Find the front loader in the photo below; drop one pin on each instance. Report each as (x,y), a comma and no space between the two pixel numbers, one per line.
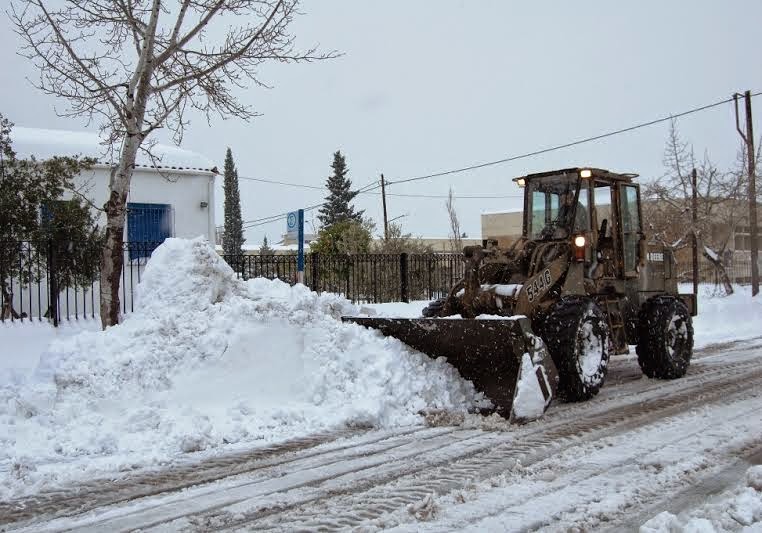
(540,318)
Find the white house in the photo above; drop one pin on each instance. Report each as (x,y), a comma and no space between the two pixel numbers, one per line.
(172,189)
(171,195)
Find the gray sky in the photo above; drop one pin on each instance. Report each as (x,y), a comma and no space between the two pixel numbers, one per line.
(431,85)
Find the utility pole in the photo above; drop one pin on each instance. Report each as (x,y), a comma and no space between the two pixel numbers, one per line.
(748,138)
(383,201)
(694,217)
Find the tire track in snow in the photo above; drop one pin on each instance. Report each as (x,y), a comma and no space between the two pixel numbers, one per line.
(351,502)
(578,478)
(693,492)
(159,511)
(101,492)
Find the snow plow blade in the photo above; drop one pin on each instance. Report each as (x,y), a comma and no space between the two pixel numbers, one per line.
(502,357)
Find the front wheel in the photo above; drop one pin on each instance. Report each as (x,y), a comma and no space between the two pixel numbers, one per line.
(665,338)
(578,338)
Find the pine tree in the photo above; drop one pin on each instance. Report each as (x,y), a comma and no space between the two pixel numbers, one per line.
(233,237)
(265,248)
(337,206)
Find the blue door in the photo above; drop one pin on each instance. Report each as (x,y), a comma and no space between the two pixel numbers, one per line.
(147,227)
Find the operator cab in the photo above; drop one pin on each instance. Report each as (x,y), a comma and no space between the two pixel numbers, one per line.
(576,204)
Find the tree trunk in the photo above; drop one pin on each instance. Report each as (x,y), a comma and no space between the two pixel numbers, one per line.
(720,270)
(112,258)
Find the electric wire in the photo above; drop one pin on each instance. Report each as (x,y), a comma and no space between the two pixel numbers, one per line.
(371,186)
(374,193)
(565,145)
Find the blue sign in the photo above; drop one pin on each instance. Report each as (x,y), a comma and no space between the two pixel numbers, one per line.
(292,223)
(295,228)
(300,249)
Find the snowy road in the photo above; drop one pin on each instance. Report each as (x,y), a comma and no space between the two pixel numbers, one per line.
(639,448)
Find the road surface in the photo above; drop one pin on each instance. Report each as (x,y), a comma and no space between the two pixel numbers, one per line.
(640,447)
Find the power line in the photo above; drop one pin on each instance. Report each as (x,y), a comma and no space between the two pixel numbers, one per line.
(276,182)
(458,197)
(565,145)
(372,190)
(368,188)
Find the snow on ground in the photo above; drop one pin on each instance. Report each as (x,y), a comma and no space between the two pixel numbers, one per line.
(208,362)
(23,343)
(725,318)
(738,507)
(205,361)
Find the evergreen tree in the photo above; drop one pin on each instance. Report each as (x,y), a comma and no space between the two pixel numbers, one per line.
(337,206)
(233,237)
(265,248)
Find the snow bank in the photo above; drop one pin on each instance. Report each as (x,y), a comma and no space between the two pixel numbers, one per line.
(726,318)
(208,360)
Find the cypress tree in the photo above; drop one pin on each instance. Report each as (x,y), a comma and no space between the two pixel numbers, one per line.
(233,238)
(337,206)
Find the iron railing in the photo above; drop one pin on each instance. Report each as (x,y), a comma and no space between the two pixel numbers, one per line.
(362,278)
(45,280)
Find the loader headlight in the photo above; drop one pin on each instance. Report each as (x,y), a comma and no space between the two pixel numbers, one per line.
(579,241)
(521,182)
(586,173)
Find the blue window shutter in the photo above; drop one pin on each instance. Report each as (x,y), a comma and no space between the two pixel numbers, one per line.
(147,227)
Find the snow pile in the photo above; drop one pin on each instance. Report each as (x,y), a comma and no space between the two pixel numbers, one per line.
(208,360)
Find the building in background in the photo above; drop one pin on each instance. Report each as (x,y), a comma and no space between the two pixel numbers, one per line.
(172,189)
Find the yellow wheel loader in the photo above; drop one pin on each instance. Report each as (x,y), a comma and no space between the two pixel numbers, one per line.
(540,318)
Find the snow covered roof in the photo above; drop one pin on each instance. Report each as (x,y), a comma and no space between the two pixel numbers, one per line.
(45,143)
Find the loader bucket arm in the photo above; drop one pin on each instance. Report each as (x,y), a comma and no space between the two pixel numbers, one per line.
(490,353)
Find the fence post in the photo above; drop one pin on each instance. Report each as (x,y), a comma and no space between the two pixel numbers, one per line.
(403,278)
(52,283)
(315,270)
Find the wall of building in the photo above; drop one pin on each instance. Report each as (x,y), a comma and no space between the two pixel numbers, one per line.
(185,191)
(505,227)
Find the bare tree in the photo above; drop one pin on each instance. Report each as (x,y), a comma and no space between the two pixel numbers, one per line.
(135,66)
(455,236)
(669,200)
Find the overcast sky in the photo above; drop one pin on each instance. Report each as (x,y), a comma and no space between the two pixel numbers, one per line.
(425,86)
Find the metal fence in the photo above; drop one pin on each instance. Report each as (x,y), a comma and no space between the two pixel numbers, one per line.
(739,271)
(362,278)
(45,280)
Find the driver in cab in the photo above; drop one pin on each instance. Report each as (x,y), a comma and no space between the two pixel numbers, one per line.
(559,227)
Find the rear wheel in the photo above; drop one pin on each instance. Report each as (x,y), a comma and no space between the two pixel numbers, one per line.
(578,338)
(665,338)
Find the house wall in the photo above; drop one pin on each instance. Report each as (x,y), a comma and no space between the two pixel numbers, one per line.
(184,191)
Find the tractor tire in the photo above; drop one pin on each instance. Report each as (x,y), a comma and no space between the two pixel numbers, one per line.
(665,338)
(579,341)
(433,308)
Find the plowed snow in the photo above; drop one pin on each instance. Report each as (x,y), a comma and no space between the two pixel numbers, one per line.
(207,360)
